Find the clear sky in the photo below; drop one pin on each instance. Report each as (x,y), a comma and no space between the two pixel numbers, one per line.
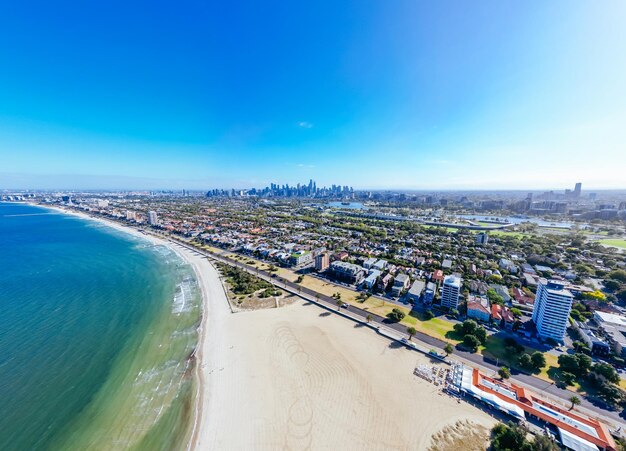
(375,94)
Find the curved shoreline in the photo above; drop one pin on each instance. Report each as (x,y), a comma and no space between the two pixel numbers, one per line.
(330,393)
(202,275)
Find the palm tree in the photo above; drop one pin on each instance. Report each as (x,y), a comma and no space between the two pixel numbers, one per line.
(411,331)
(575,400)
(368,318)
(448,349)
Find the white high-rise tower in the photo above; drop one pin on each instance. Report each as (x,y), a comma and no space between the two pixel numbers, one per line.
(552,308)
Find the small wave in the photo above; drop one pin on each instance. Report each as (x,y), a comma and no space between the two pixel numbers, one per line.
(183,299)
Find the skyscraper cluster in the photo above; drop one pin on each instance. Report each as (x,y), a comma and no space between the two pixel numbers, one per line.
(300,190)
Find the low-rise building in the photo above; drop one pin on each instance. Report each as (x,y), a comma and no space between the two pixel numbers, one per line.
(371,279)
(340,256)
(437,276)
(614,329)
(415,292)
(400,284)
(347,272)
(301,258)
(503,316)
(478,308)
(429,293)
(595,343)
(502,291)
(521,299)
(380,265)
(507,265)
(383,282)
(367,264)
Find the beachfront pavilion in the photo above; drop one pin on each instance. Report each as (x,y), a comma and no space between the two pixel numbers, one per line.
(577,432)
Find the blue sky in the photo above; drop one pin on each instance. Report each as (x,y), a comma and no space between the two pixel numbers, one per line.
(375,94)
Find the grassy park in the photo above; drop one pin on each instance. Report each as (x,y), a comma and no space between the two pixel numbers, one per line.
(614,243)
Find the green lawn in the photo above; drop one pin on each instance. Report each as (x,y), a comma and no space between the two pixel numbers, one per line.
(435,327)
(508,233)
(614,243)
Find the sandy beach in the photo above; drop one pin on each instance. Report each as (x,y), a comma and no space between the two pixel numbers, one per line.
(299,377)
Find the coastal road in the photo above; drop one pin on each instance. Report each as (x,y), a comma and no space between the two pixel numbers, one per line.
(538,385)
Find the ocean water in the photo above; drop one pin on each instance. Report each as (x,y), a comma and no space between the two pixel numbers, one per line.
(97,330)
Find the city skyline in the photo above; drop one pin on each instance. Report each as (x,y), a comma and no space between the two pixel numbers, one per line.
(402,96)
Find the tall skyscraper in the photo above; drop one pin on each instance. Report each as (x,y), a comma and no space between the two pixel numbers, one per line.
(577,189)
(451,291)
(152,218)
(553,304)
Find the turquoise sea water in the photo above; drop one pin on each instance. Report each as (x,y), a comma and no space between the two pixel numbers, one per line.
(96,333)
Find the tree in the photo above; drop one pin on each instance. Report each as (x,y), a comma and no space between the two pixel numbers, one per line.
(396,315)
(504,372)
(448,349)
(596,295)
(612,285)
(368,318)
(481,334)
(577,364)
(471,342)
(575,400)
(509,437)
(607,371)
(428,314)
(567,378)
(538,360)
(611,394)
(517,313)
(580,346)
(618,274)
(411,331)
(454,312)
(525,361)
(494,297)
(544,443)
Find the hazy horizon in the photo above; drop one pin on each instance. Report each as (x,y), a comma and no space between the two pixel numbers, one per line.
(114,184)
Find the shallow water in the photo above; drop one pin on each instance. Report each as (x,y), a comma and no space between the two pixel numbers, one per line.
(96,333)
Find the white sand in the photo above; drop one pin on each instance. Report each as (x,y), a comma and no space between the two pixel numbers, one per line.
(290,378)
(299,378)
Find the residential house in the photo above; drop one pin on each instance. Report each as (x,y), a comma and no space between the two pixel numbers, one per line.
(400,284)
(367,264)
(502,315)
(478,308)
(429,293)
(371,279)
(415,292)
